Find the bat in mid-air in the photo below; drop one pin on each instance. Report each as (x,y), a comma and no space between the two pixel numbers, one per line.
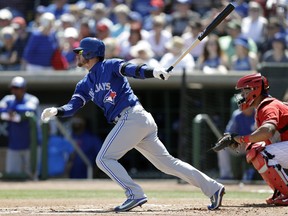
(216,21)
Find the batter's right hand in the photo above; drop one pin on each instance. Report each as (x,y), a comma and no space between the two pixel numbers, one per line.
(161,73)
(48,113)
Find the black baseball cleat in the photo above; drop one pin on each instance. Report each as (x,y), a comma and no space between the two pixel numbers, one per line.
(216,199)
(130,204)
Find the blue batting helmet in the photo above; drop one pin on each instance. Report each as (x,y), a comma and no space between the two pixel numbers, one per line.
(91,47)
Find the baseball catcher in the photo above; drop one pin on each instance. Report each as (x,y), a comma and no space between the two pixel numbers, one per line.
(267,146)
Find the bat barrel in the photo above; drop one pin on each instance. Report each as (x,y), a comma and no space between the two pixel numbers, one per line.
(221,16)
(227,10)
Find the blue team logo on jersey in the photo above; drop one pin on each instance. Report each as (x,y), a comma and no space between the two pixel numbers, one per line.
(110,97)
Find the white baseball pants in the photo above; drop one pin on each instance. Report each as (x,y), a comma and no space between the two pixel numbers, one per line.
(137,129)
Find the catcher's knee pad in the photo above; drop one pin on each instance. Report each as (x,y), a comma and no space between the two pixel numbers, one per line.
(274,175)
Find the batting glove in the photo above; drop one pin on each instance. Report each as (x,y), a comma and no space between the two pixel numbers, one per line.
(48,113)
(161,73)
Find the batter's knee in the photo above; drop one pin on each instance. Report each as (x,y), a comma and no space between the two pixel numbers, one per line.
(99,161)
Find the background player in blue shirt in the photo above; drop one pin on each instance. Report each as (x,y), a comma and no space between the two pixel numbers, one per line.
(12,109)
(107,86)
(242,123)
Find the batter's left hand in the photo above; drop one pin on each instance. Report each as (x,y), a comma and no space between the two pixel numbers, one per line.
(48,113)
(161,73)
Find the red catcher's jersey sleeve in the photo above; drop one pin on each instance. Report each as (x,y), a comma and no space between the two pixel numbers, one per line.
(275,112)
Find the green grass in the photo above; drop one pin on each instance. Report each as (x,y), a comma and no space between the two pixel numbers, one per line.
(85,194)
(57,194)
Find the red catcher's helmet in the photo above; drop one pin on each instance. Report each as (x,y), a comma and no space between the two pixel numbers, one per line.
(251,86)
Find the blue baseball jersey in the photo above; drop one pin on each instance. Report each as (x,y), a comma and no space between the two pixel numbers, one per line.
(107,87)
(19,132)
(241,123)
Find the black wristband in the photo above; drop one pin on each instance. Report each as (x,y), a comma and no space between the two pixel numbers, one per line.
(137,70)
(148,72)
(122,71)
(60,111)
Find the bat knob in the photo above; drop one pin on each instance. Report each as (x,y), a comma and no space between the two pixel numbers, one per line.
(170,69)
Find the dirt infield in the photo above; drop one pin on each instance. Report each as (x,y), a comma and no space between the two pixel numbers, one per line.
(157,205)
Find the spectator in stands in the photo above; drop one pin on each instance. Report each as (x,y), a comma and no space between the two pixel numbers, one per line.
(195,27)
(135,19)
(70,42)
(181,17)
(135,23)
(141,7)
(227,42)
(99,15)
(20,26)
(203,7)
(111,48)
(278,53)
(85,30)
(41,45)
(58,8)
(175,48)
(274,26)
(243,60)
(13,108)
(281,13)
(159,36)
(242,8)
(111,5)
(67,20)
(253,26)
(142,54)
(102,31)
(9,60)
(5,17)
(275,8)
(121,12)
(133,38)
(213,59)
(241,123)
(33,25)
(157,9)
(89,143)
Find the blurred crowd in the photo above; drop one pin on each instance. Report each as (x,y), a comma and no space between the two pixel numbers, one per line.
(154,32)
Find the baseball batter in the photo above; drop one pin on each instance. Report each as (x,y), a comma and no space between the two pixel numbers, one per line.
(267,146)
(107,86)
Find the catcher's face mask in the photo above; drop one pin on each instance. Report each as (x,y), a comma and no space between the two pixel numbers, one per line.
(250,86)
(246,97)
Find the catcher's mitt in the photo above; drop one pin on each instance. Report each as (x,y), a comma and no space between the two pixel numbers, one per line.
(226,141)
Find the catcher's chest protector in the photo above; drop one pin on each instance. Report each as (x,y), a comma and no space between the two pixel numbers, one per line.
(274,175)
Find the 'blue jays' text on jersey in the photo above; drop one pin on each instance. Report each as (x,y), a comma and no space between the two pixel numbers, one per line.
(106,86)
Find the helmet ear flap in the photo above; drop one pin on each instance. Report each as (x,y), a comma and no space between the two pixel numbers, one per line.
(265,84)
(87,55)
